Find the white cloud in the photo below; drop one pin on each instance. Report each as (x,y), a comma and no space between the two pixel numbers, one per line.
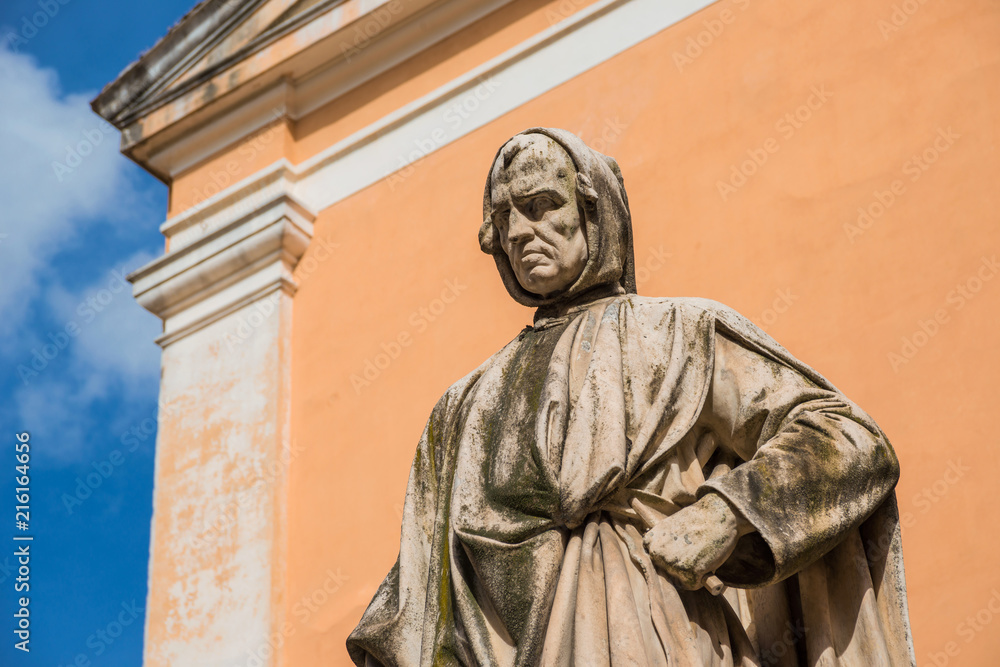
(60,172)
(109,356)
(50,411)
(64,185)
(115,333)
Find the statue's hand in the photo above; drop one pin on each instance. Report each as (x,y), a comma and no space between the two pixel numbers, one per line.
(691,544)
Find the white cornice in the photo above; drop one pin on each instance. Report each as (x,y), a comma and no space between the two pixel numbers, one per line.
(226,268)
(234,202)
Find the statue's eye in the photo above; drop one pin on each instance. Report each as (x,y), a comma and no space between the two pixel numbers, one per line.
(541,205)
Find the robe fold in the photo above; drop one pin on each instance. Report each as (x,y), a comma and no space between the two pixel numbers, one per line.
(536,475)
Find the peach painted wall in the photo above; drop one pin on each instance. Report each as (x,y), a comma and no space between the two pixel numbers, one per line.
(405,278)
(241,160)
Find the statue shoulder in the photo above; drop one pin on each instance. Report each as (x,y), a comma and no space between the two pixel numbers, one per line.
(690,305)
(699,314)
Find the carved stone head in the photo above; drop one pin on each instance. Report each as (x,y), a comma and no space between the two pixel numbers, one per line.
(556,220)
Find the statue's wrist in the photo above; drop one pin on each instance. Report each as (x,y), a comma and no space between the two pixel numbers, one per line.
(719,505)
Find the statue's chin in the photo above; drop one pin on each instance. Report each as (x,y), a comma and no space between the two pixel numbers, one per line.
(546,281)
(546,291)
(541,285)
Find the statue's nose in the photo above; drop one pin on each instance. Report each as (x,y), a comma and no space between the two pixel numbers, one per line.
(519,228)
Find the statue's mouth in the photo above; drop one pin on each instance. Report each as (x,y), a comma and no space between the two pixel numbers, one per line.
(534,258)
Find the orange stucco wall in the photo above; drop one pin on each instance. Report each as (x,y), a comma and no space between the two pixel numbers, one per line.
(786,248)
(236,162)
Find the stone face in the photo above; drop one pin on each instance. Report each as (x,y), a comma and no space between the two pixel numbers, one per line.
(634,480)
(536,214)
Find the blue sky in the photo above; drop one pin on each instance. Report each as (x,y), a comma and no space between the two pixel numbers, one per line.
(80,369)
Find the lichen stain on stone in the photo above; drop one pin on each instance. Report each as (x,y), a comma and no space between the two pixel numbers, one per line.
(209,93)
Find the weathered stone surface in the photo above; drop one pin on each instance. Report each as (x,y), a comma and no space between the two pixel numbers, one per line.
(572,498)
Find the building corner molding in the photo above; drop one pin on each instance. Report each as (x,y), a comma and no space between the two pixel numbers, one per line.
(224,293)
(224,268)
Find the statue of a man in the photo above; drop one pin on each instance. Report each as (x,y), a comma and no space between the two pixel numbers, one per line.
(578,498)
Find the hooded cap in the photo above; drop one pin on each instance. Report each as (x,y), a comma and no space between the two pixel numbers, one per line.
(610,267)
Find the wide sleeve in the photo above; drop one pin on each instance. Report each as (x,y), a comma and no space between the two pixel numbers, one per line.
(806,464)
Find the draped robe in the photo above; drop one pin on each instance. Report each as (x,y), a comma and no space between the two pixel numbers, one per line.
(538,473)
(523,521)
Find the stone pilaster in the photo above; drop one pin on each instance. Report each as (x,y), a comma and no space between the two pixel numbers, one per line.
(223,448)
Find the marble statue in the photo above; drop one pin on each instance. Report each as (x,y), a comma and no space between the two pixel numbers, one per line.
(634,480)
